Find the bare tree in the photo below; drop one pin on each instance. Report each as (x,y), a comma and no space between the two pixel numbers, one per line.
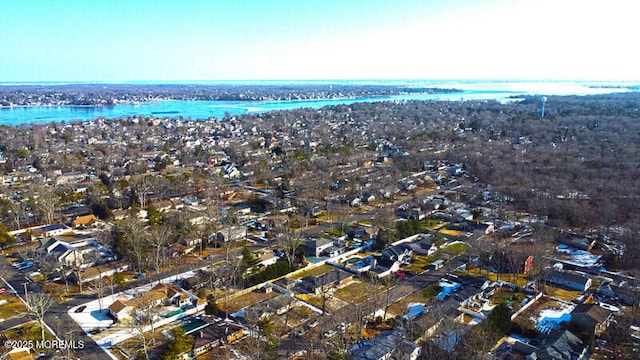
(142,189)
(38,304)
(159,240)
(388,295)
(288,241)
(137,327)
(46,205)
(100,286)
(135,240)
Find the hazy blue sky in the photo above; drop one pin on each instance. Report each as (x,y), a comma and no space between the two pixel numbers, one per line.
(115,40)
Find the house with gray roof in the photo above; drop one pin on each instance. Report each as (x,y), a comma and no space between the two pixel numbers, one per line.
(389,345)
(561,345)
(569,280)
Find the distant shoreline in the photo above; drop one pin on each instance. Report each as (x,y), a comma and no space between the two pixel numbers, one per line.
(208,102)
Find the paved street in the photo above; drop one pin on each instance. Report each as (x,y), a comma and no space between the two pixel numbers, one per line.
(57,317)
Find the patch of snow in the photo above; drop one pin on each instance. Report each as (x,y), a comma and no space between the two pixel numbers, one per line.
(579,257)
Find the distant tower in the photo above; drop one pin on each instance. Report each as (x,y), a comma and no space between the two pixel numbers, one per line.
(544,100)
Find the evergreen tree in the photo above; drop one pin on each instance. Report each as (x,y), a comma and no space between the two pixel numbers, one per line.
(179,344)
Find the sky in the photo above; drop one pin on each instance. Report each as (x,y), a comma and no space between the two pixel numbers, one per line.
(155,40)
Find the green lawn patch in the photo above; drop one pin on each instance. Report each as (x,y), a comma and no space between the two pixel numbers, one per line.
(455,249)
(318,270)
(419,263)
(12,307)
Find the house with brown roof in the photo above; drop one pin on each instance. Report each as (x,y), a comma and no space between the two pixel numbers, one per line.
(104,270)
(120,309)
(119,214)
(213,335)
(591,317)
(171,294)
(83,221)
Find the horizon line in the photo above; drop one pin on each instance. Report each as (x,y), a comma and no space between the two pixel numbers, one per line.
(222,81)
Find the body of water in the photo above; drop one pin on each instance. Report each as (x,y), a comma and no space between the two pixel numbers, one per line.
(503,91)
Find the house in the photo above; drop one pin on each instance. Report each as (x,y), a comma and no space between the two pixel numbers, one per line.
(147,300)
(176,203)
(315,247)
(285,283)
(389,345)
(162,205)
(46,231)
(198,281)
(119,214)
(100,271)
(623,294)
(83,221)
(381,266)
(591,318)
(416,213)
(326,281)
(401,253)
(359,232)
(423,246)
(172,294)
(213,335)
(185,245)
(232,233)
(266,259)
(333,251)
(71,254)
(120,309)
(569,280)
(556,345)
(277,305)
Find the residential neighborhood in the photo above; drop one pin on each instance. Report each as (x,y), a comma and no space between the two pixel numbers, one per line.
(162,238)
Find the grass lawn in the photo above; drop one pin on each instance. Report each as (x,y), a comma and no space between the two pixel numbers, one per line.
(522,278)
(400,307)
(12,307)
(455,233)
(336,231)
(28,331)
(238,302)
(365,222)
(294,317)
(311,299)
(358,291)
(503,296)
(455,249)
(562,294)
(435,224)
(419,263)
(315,271)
